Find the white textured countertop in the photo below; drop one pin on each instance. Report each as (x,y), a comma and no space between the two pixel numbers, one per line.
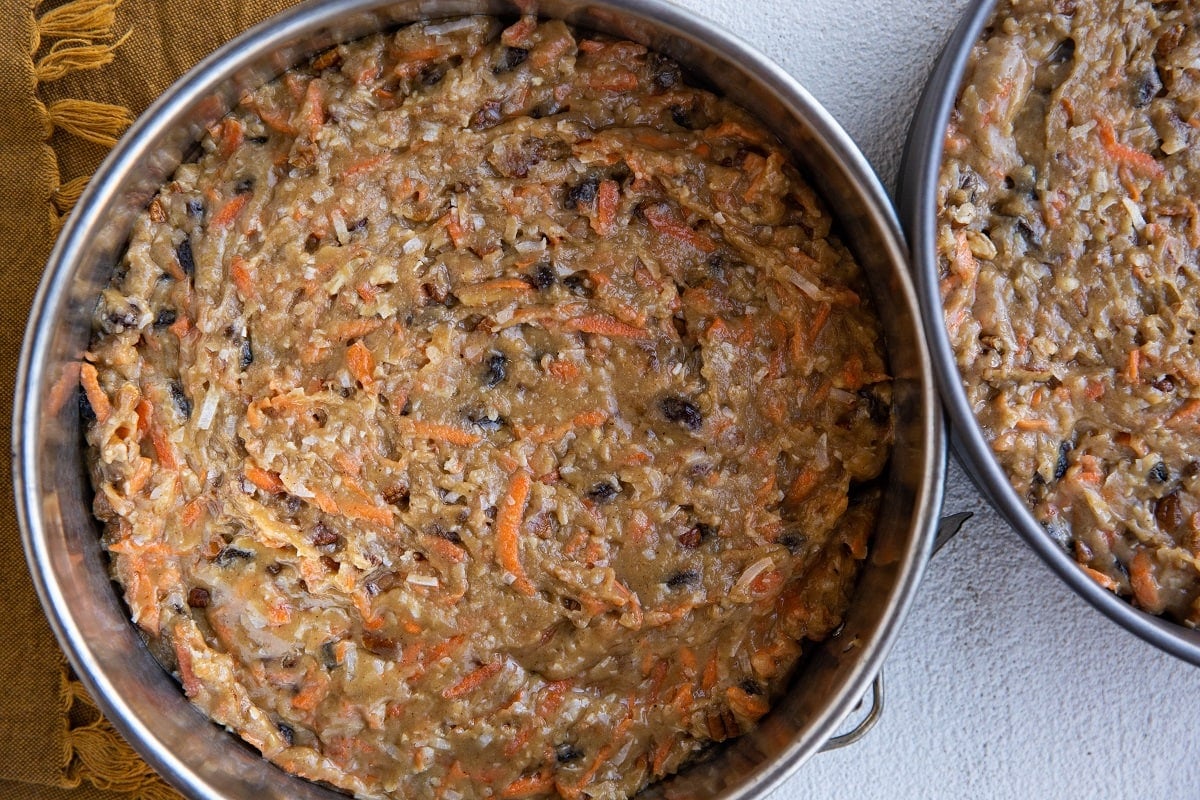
(1003,683)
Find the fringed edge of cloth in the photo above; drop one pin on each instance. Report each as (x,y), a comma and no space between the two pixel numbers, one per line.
(73,37)
(95,752)
(69,38)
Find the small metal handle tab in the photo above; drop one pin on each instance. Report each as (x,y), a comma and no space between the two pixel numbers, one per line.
(865,724)
(948,526)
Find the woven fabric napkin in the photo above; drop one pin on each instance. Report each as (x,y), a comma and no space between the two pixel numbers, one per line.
(73,75)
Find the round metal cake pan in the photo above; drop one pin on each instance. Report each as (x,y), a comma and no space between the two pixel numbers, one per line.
(53,494)
(917,191)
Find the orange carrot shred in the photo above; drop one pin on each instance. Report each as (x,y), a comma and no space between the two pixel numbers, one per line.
(530,785)
(228,212)
(607,198)
(1137,160)
(361,363)
(664,221)
(96,397)
(239,273)
(1145,587)
(605,325)
(508,531)
(1189,410)
(231,136)
(473,680)
(444,433)
(191,512)
(267,481)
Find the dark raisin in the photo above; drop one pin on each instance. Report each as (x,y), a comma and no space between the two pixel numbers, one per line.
(380,645)
(1169,513)
(510,59)
(750,686)
(183,252)
(195,208)
(397,496)
(1032,237)
(287,733)
(247,352)
(229,554)
(1164,384)
(1060,466)
(244,186)
(181,400)
(329,654)
(489,116)
(165,318)
(570,603)
(542,277)
(117,321)
(681,117)
(664,72)
(1063,52)
(583,193)
(579,284)
(485,422)
(717,263)
(87,414)
(1147,88)
(358,225)
(323,536)
(694,536)
(878,409)
(258,139)
(676,409)
(312,243)
(433,74)
(497,370)
(602,492)
(1058,531)
(442,532)
(687,577)
(199,597)
(1159,473)
(794,542)
(566,753)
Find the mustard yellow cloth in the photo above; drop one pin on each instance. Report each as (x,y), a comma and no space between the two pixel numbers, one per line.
(73,75)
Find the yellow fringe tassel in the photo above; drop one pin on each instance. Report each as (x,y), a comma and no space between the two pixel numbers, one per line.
(67,194)
(96,122)
(69,55)
(95,751)
(84,19)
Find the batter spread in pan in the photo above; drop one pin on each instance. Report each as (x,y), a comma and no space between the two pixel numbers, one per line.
(485,412)
(1068,239)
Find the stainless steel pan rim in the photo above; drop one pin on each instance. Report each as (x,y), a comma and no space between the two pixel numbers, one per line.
(141,700)
(917,199)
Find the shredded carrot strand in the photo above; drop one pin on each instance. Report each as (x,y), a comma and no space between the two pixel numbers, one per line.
(443,433)
(228,212)
(663,221)
(605,325)
(267,481)
(96,397)
(1136,160)
(473,680)
(607,198)
(239,273)
(508,531)
(361,363)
